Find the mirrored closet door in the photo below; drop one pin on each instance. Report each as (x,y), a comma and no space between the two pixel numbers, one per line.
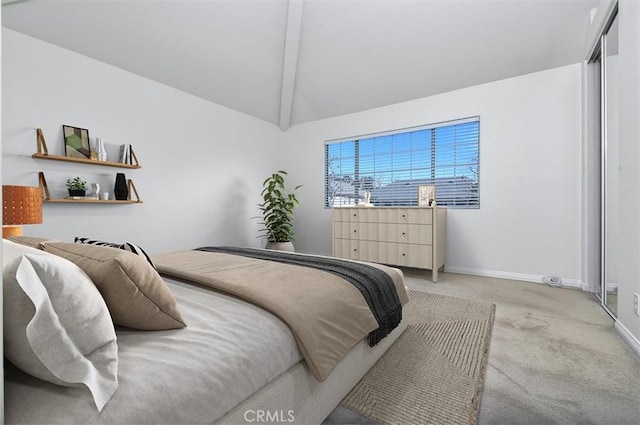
(611,183)
(602,81)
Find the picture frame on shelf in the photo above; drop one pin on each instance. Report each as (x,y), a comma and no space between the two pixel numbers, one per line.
(76,142)
(426,195)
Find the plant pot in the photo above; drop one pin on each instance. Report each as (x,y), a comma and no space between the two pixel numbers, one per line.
(280,246)
(76,192)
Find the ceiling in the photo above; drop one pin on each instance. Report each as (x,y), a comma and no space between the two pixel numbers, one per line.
(293,61)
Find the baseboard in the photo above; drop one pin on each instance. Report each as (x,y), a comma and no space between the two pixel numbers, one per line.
(628,336)
(566,283)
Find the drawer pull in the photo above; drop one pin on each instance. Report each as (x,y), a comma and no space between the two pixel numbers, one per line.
(355,231)
(403,254)
(403,233)
(403,215)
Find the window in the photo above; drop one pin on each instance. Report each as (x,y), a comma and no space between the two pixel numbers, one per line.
(391,166)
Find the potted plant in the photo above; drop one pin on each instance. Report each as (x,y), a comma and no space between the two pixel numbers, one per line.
(76,186)
(277,212)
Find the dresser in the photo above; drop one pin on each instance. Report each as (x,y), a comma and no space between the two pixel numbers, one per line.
(410,236)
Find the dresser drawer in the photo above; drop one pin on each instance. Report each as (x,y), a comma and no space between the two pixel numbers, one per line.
(421,234)
(418,215)
(345,214)
(338,248)
(420,256)
(368,251)
(406,215)
(367,215)
(342,230)
(410,255)
(405,233)
(356,250)
(368,231)
(345,248)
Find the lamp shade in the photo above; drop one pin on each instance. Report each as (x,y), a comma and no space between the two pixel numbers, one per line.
(21,205)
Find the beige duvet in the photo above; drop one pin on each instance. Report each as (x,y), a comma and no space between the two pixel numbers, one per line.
(326,314)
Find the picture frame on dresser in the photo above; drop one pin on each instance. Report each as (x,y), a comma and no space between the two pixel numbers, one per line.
(426,195)
(76,142)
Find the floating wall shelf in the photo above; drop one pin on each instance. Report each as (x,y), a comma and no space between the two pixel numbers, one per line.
(43,153)
(84,161)
(88,201)
(47,198)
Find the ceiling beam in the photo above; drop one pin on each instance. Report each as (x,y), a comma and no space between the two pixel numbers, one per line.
(8,2)
(290,62)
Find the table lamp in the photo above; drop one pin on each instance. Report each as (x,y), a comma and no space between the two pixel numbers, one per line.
(20,205)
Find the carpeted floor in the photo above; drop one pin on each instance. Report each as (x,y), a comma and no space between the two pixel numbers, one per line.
(554,358)
(433,373)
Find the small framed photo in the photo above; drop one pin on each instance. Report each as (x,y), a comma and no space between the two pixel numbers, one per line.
(76,142)
(426,195)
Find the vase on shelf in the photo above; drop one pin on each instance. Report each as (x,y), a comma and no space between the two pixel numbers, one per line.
(102,152)
(121,191)
(95,190)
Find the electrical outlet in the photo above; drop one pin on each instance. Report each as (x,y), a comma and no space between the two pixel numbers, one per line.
(636,303)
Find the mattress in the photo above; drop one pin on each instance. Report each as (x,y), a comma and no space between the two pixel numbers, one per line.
(190,375)
(200,374)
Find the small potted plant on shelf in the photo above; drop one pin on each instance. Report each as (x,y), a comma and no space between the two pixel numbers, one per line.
(76,186)
(277,211)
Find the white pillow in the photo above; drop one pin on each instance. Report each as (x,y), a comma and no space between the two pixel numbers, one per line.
(56,325)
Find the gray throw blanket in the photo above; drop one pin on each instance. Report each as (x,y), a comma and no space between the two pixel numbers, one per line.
(376,286)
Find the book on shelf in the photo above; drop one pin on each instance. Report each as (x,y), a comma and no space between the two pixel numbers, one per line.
(125,154)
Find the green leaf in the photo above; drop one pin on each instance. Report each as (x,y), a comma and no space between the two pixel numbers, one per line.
(277,209)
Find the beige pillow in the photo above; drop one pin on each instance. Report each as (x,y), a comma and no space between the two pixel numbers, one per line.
(135,293)
(56,325)
(32,241)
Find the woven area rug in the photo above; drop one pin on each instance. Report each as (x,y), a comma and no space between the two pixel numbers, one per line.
(434,372)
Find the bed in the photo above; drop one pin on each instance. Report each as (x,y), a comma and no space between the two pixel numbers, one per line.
(234,362)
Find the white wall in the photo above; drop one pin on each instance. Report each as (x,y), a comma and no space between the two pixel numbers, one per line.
(629,177)
(528,225)
(202,164)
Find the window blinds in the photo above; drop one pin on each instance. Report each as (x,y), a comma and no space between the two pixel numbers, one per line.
(393,164)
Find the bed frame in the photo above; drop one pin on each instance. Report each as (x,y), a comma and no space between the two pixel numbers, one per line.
(297,397)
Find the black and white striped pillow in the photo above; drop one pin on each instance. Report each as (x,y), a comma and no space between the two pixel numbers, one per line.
(127,246)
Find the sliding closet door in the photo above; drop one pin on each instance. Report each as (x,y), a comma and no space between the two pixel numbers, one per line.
(592,190)
(610,168)
(602,194)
